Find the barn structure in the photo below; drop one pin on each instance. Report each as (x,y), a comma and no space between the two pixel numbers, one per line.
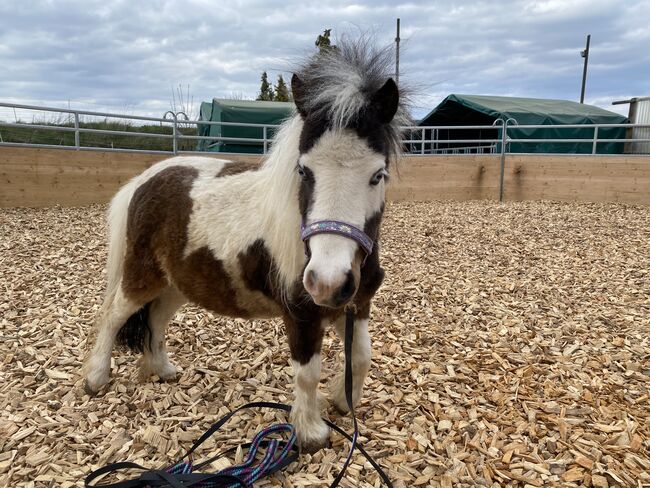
(239,112)
(480,110)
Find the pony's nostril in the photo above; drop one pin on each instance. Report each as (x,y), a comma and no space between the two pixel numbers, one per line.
(310,279)
(347,290)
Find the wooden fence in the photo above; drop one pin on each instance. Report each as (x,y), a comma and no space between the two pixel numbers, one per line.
(45,177)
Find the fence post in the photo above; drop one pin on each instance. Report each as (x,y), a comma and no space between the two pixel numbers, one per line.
(423,136)
(595,143)
(175,135)
(265,142)
(504,125)
(77,142)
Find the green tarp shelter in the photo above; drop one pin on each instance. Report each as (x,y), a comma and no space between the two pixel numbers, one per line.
(484,110)
(240,111)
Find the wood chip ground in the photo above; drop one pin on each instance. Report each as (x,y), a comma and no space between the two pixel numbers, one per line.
(511,348)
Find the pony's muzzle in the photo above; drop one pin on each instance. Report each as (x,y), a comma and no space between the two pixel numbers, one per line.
(330,294)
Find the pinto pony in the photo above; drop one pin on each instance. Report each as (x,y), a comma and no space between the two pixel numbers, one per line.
(227,236)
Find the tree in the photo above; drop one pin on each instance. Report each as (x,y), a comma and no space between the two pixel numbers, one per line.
(323,42)
(266,90)
(281,91)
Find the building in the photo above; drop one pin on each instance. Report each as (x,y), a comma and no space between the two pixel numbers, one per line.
(240,112)
(479,110)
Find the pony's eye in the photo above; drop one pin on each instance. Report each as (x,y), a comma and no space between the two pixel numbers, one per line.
(301,171)
(377,177)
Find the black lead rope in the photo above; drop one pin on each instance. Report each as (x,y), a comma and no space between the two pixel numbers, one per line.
(163,478)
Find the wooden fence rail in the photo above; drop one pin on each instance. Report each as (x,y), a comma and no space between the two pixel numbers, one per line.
(44,177)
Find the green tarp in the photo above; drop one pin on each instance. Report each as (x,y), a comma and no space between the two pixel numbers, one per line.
(240,111)
(484,110)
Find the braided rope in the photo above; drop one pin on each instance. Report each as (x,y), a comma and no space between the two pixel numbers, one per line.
(245,471)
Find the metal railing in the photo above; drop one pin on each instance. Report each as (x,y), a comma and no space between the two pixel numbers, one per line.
(172,122)
(428,140)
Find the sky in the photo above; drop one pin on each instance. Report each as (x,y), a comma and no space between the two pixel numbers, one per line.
(129,56)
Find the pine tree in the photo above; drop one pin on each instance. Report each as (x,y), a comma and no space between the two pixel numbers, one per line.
(281,91)
(323,42)
(266,90)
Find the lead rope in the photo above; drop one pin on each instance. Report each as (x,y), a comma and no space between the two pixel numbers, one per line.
(279,453)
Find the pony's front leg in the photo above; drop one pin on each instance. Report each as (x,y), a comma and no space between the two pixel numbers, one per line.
(305,341)
(361,354)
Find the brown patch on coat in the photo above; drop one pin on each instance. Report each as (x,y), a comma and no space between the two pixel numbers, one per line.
(237,167)
(159,214)
(258,270)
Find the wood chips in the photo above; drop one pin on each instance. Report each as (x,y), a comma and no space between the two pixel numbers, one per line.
(511,348)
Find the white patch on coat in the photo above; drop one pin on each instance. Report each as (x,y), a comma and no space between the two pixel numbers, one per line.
(305,412)
(229,214)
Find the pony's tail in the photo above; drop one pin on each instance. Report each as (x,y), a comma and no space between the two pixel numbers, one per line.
(117,219)
(136,332)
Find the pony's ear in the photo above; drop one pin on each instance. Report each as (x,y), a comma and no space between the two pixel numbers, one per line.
(298,91)
(385,101)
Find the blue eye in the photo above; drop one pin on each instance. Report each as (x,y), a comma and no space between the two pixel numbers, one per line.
(378,176)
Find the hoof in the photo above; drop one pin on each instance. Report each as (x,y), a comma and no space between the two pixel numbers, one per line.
(337,397)
(312,447)
(165,371)
(312,436)
(89,389)
(341,408)
(94,381)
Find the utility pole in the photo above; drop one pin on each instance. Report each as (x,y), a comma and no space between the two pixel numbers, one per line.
(584,54)
(397,55)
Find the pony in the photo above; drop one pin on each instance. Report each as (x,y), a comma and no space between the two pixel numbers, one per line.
(295,237)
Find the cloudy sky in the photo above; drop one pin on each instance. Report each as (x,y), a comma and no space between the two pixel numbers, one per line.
(127,56)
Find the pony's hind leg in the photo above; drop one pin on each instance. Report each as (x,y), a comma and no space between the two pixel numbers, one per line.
(115,311)
(154,353)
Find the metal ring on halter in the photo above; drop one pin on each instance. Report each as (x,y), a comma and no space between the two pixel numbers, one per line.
(340,228)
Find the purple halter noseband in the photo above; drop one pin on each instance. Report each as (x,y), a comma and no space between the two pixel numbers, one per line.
(340,228)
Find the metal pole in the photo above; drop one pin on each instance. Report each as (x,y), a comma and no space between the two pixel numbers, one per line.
(397,55)
(584,54)
(175,136)
(595,144)
(77,143)
(503,161)
(422,148)
(265,142)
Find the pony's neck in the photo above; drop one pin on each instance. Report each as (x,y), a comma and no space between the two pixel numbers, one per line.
(280,209)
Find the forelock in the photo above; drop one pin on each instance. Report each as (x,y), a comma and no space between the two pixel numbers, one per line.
(337,86)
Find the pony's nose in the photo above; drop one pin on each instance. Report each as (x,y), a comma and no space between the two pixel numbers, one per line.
(345,292)
(330,294)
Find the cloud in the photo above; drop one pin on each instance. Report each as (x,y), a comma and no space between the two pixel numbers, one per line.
(118,54)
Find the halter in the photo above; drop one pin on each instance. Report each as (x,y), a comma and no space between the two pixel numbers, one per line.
(340,228)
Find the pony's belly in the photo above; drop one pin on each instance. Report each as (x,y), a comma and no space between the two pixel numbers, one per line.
(220,287)
(233,303)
